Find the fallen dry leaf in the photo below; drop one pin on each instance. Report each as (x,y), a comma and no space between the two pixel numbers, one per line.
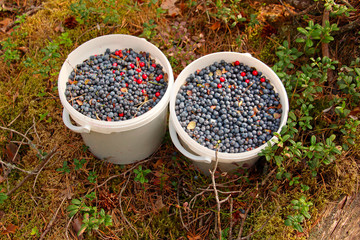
(191,125)
(159,204)
(11,228)
(23,49)
(59,28)
(10,151)
(2,179)
(5,23)
(76,224)
(170,6)
(215,26)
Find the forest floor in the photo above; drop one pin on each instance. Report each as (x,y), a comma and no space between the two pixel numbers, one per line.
(304,187)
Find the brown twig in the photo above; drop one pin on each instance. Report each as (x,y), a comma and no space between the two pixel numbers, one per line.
(31,144)
(52,220)
(121,210)
(178,201)
(28,13)
(218,203)
(40,166)
(243,220)
(231,220)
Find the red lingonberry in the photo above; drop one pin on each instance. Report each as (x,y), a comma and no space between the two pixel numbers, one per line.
(236,63)
(255,73)
(122,73)
(115,64)
(132,65)
(114,71)
(126,84)
(121,114)
(247,80)
(138,70)
(219,85)
(262,79)
(222,79)
(117,53)
(157,78)
(137,59)
(144,76)
(142,64)
(143,91)
(157,94)
(243,74)
(139,81)
(161,76)
(153,65)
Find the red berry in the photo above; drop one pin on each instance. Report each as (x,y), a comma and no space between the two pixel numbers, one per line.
(219,85)
(132,65)
(236,63)
(157,94)
(243,74)
(126,84)
(160,76)
(144,76)
(121,114)
(142,64)
(115,64)
(139,81)
(153,65)
(137,59)
(222,79)
(262,79)
(143,91)
(157,78)
(138,70)
(113,71)
(117,53)
(247,80)
(122,73)
(255,73)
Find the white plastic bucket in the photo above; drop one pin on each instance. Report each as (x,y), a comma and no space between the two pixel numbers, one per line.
(204,158)
(119,142)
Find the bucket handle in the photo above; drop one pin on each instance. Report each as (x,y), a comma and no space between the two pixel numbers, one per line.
(77,129)
(178,145)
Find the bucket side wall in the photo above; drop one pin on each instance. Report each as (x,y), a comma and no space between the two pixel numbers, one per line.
(129,146)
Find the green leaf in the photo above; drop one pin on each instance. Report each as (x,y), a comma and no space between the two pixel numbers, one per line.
(76,201)
(288,222)
(3,197)
(313,140)
(351,141)
(302,30)
(298,227)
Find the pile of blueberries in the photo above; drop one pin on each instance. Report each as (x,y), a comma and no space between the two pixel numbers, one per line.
(230,107)
(117,85)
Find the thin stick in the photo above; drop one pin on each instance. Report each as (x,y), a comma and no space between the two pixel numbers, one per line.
(231,219)
(178,201)
(243,220)
(40,166)
(19,133)
(9,165)
(121,210)
(14,131)
(52,220)
(21,143)
(216,193)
